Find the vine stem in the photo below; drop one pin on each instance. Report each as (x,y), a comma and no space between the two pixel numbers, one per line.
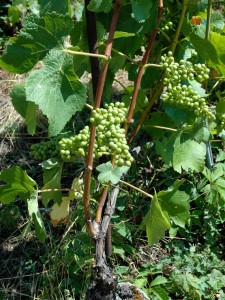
(156,94)
(162,127)
(209,9)
(92,38)
(177,34)
(72,52)
(141,68)
(136,188)
(97,103)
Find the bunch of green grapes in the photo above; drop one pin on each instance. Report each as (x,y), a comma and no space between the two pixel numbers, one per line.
(182,95)
(46,149)
(110,137)
(74,146)
(167,26)
(220,119)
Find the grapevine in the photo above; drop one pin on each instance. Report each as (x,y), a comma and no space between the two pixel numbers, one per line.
(110,139)
(181,94)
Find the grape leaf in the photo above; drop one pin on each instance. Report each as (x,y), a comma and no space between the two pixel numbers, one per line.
(158,280)
(36,38)
(197,87)
(34,213)
(164,148)
(216,40)
(217,21)
(56,90)
(110,173)
(60,212)
(176,203)
(141,9)
(156,221)
(14,14)
(48,6)
(160,293)
(100,5)
(25,108)
(18,184)
(220,183)
(220,106)
(204,47)
(157,120)
(52,171)
(188,155)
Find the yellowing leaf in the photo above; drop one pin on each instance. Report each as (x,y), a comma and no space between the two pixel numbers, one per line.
(60,213)
(77,189)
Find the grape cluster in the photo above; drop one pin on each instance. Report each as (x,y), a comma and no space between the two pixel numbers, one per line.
(74,146)
(46,149)
(183,95)
(167,26)
(110,137)
(220,119)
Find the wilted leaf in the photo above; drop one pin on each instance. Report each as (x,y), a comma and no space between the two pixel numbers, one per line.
(60,213)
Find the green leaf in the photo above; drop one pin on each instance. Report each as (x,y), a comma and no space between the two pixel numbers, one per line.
(19,102)
(158,120)
(38,36)
(141,9)
(220,156)
(52,172)
(220,106)
(204,47)
(14,14)
(156,221)
(217,21)
(35,216)
(202,135)
(218,41)
(25,108)
(141,282)
(164,148)
(56,90)
(160,293)
(110,173)
(100,5)
(220,183)
(18,184)
(119,250)
(188,155)
(176,203)
(158,280)
(197,87)
(48,6)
